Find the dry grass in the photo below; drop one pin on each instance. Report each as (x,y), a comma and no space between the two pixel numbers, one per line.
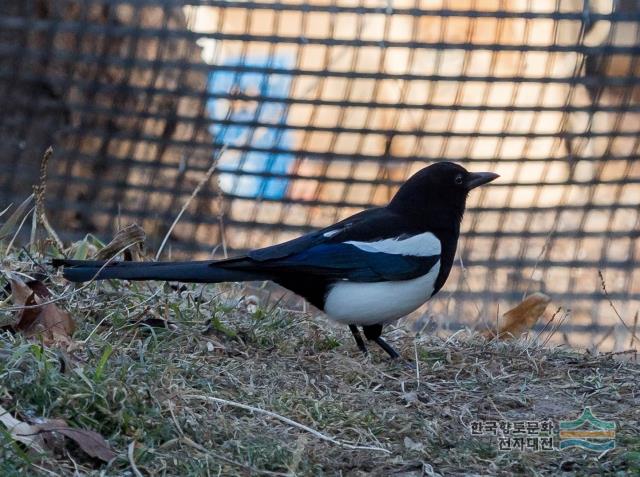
(156,393)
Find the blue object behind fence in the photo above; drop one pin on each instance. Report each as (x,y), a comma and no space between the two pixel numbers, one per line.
(260,84)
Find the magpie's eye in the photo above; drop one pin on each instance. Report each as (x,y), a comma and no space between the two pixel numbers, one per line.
(458,179)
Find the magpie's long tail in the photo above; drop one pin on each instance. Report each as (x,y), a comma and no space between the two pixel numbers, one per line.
(193,272)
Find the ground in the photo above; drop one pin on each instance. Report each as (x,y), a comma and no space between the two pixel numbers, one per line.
(230,387)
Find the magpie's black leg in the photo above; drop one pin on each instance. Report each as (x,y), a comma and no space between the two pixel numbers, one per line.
(358,338)
(373,332)
(387,347)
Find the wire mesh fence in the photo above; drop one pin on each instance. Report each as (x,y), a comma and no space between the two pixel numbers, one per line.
(324,108)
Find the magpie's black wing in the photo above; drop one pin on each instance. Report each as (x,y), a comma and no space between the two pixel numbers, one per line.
(368,225)
(344,261)
(327,254)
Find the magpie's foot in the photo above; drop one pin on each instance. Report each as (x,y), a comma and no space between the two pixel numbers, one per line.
(387,347)
(409,365)
(372,333)
(359,341)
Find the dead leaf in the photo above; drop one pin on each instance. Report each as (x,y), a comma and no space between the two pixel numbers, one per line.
(43,435)
(125,238)
(52,441)
(21,431)
(39,288)
(89,441)
(20,292)
(520,319)
(28,315)
(55,325)
(39,317)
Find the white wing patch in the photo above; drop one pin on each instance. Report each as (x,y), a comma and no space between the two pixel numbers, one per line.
(331,233)
(422,245)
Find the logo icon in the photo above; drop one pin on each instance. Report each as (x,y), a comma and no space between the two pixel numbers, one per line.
(588,432)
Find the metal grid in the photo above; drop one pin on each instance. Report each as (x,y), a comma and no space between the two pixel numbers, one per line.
(325,107)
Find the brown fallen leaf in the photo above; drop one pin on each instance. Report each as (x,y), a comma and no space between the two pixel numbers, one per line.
(520,319)
(89,441)
(43,435)
(28,315)
(40,318)
(20,292)
(52,441)
(55,325)
(39,289)
(127,237)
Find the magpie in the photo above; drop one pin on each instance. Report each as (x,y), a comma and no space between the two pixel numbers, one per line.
(364,271)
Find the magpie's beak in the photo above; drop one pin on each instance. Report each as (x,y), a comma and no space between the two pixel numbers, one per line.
(476,179)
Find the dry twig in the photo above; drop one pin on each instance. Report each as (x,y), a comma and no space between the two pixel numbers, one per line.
(286,420)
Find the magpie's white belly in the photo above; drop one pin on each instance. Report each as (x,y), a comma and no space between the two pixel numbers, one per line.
(371,303)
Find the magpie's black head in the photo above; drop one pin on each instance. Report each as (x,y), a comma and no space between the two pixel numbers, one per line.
(436,195)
